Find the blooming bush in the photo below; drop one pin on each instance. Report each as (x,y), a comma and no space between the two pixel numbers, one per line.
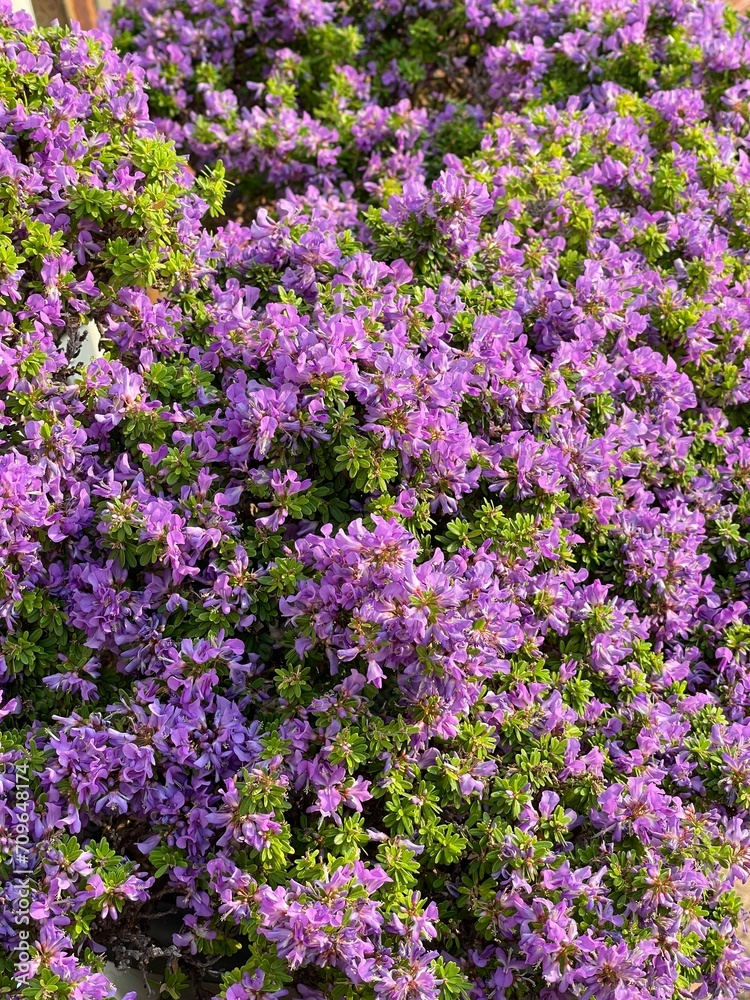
(375,92)
(376,598)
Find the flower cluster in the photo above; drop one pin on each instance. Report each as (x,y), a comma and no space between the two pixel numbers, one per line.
(374,93)
(375,563)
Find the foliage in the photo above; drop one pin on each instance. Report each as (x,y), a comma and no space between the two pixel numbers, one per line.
(377,597)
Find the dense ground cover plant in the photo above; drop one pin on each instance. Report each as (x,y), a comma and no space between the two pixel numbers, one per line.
(378,599)
(376,91)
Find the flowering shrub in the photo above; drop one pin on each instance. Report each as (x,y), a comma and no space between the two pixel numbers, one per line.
(283,92)
(375,92)
(377,598)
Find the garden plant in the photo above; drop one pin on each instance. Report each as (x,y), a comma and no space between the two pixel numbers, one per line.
(375,595)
